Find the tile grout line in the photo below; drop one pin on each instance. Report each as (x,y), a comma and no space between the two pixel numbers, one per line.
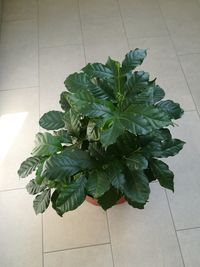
(111,248)
(81,27)
(178,58)
(20,88)
(187,229)
(81,247)
(16,20)
(38,47)
(178,242)
(13,189)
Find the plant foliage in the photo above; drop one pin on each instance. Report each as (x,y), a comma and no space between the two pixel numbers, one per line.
(108,140)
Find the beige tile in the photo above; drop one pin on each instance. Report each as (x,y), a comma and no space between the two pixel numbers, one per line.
(98,256)
(142,18)
(18,125)
(190,246)
(191,65)
(19,9)
(186,166)
(55,65)
(59,23)
(20,230)
(183,21)
(162,62)
(84,226)
(144,237)
(99,51)
(18,55)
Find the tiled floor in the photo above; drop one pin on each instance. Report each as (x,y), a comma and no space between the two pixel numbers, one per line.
(41,43)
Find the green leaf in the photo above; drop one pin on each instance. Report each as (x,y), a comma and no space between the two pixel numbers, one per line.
(85,103)
(98,70)
(81,81)
(136,189)
(116,175)
(72,123)
(162,173)
(136,161)
(139,80)
(67,163)
(98,183)
(28,166)
(64,136)
(46,144)
(154,117)
(109,199)
(72,196)
(33,188)
(172,109)
(52,120)
(97,151)
(163,149)
(41,202)
(133,59)
(110,135)
(64,101)
(92,131)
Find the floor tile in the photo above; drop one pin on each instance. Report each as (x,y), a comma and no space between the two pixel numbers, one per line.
(162,62)
(144,237)
(84,226)
(19,9)
(20,230)
(59,23)
(191,65)
(142,18)
(55,65)
(99,51)
(18,126)
(185,201)
(190,246)
(183,21)
(18,55)
(87,257)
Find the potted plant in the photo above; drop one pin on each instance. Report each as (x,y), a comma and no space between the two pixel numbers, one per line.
(106,143)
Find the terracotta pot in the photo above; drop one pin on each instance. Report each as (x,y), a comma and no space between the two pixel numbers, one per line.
(94,201)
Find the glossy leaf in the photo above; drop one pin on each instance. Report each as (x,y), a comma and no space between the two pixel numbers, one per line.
(46,144)
(72,123)
(136,161)
(52,120)
(33,188)
(98,70)
(133,59)
(98,183)
(41,202)
(109,199)
(28,166)
(64,136)
(173,109)
(64,101)
(67,163)
(162,172)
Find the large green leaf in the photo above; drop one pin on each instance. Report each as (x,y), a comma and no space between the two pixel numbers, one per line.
(64,101)
(137,81)
(81,81)
(109,199)
(116,174)
(155,118)
(136,189)
(46,144)
(72,123)
(97,151)
(90,106)
(34,188)
(173,109)
(163,149)
(72,196)
(52,120)
(28,166)
(98,70)
(136,161)
(133,59)
(161,172)
(67,163)
(41,202)
(98,183)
